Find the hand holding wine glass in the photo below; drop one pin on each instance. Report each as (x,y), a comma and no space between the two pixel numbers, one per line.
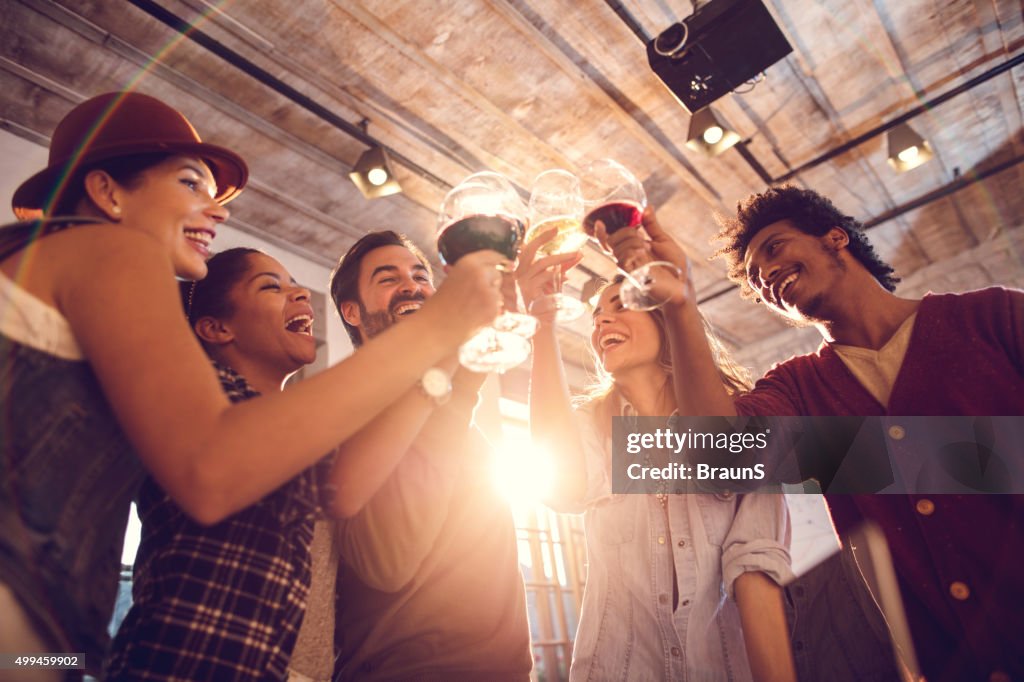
(634,249)
(556,206)
(471,294)
(539,277)
(614,199)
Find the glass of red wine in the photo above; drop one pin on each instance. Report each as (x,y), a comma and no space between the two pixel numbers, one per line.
(484,211)
(556,203)
(613,196)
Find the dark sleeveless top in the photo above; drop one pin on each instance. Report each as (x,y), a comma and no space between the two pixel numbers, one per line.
(67,478)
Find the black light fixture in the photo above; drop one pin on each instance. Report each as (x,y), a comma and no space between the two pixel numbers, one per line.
(907,149)
(709,134)
(722,46)
(373,176)
(372,173)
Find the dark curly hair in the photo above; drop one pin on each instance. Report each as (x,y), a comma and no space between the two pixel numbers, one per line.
(811,213)
(210,296)
(126,170)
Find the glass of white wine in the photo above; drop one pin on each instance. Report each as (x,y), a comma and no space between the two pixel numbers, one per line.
(556,203)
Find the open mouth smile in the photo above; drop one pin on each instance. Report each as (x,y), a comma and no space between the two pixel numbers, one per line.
(406,308)
(611,340)
(782,285)
(200,238)
(300,324)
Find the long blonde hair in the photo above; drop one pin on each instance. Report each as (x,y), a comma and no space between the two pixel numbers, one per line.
(601,397)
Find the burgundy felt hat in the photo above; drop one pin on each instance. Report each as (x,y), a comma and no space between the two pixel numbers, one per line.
(119,124)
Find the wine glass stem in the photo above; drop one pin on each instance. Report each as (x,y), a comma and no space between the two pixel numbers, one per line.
(556,278)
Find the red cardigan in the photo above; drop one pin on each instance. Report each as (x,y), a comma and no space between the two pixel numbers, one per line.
(965,357)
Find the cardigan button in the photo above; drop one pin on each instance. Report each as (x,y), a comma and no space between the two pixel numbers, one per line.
(925,507)
(897,432)
(959,590)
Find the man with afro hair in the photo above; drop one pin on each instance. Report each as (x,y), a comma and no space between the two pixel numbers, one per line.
(957,557)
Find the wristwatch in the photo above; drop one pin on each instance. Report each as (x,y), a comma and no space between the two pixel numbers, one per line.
(436,385)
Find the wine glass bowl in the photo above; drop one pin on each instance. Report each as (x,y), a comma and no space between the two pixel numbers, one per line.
(557,203)
(483,211)
(612,195)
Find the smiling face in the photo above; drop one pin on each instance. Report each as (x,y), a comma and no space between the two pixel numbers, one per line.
(393,283)
(623,339)
(271,320)
(173,201)
(796,273)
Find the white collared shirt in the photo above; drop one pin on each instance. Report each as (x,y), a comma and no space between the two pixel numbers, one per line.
(628,629)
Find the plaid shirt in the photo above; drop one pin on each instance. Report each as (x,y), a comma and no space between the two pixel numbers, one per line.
(223,602)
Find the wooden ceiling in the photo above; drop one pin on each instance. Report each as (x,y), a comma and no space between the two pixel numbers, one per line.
(519,86)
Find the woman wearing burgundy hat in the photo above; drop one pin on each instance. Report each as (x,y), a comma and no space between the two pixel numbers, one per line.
(102,380)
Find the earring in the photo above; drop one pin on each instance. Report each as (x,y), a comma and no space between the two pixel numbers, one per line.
(116,210)
(191,294)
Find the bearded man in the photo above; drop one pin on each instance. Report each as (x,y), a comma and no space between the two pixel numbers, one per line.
(429,585)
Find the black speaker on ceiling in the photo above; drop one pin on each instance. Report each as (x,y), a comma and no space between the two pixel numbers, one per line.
(718,48)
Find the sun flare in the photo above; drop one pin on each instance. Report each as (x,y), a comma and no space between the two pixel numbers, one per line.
(522,471)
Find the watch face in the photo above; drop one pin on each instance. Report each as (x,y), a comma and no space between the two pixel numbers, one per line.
(435,383)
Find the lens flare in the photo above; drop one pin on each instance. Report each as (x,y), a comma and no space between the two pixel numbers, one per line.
(522,471)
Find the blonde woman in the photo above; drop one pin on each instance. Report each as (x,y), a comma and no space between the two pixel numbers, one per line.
(679,586)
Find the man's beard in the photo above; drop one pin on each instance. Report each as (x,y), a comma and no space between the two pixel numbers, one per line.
(815,310)
(376,322)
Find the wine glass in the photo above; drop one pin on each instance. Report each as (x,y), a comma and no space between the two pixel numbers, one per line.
(556,203)
(484,211)
(613,195)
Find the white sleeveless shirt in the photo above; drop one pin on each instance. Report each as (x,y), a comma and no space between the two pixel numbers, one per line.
(30,322)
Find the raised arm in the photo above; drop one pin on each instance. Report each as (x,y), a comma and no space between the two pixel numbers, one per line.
(552,425)
(698,387)
(388,540)
(366,460)
(117,290)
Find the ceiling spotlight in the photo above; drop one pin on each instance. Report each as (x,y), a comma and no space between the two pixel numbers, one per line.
(713,135)
(709,134)
(907,149)
(373,176)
